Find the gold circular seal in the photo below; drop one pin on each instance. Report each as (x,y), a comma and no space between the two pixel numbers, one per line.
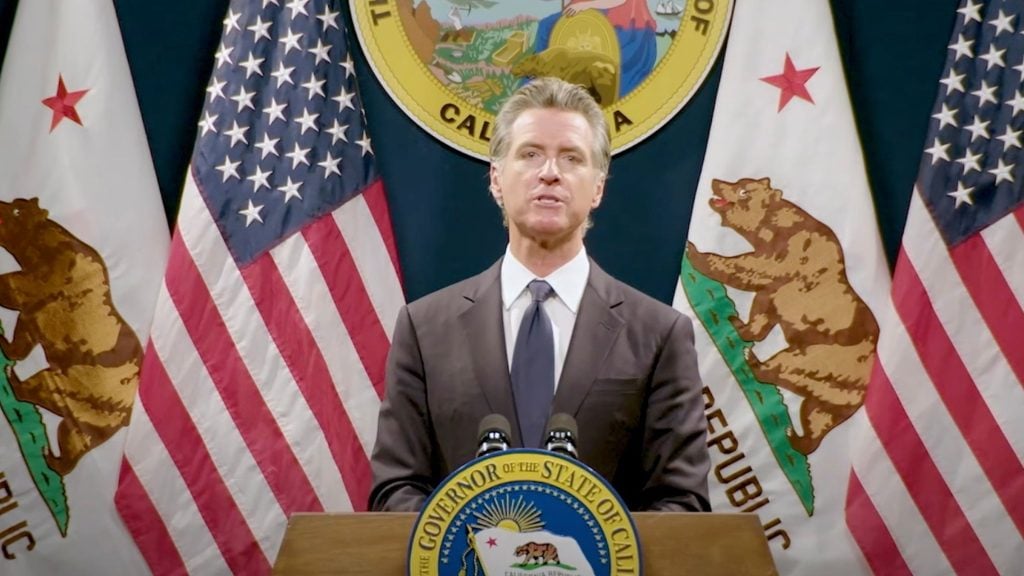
(449,64)
(524,513)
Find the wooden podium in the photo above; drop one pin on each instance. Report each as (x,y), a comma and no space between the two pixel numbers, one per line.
(673,544)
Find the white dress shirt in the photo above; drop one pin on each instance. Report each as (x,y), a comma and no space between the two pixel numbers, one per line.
(568,283)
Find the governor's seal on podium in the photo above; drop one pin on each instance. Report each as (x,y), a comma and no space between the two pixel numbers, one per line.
(450,64)
(524,513)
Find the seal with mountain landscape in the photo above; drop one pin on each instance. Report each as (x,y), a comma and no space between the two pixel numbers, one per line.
(450,64)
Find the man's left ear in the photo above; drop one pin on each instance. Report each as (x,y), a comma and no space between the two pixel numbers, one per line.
(495,186)
(600,192)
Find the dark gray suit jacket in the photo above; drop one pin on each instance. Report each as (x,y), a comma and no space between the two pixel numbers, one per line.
(630,379)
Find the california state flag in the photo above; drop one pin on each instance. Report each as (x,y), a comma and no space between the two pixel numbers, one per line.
(83,243)
(783,274)
(540,552)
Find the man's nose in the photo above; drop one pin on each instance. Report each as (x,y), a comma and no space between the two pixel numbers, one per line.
(549,172)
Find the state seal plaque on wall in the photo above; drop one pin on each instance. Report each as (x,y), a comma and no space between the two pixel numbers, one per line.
(450,64)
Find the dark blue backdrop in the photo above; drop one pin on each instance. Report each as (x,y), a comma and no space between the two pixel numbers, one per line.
(446,225)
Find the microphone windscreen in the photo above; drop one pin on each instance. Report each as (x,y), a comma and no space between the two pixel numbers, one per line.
(494,423)
(562,422)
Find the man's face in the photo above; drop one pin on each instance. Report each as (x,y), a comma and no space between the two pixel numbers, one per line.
(548,182)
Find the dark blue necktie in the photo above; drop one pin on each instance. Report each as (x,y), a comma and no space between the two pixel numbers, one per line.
(533,367)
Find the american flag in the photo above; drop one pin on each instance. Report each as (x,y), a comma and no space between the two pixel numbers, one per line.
(937,485)
(265,369)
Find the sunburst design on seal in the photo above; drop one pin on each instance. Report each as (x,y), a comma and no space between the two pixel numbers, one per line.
(515,516)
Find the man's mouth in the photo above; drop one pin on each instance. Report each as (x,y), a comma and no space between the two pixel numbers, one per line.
(547,200)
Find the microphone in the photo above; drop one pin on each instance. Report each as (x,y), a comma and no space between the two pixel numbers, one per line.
(561,436)
(493,432)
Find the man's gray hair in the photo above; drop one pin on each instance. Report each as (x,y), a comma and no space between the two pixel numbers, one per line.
(548,92)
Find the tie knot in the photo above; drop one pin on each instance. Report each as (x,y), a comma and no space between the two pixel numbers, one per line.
(540,290)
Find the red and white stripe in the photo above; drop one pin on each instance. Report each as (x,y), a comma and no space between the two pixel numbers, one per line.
(260,387)
(937,485)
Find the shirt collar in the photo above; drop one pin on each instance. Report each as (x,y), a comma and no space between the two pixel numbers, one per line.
(568,281)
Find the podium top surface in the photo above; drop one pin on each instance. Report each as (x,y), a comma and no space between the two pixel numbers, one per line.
(677,544)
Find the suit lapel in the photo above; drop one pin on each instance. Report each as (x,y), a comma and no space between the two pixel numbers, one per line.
(485,338)
(596,327)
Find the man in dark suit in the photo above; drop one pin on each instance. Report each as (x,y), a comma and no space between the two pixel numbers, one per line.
(545,330)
